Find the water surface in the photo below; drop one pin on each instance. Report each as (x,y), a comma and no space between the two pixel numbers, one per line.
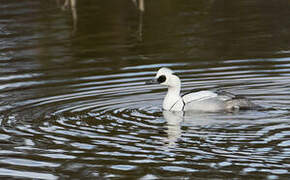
(74,103)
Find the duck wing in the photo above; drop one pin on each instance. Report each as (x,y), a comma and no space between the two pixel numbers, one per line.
(203,101)
(216,101)
(233,101)
(198,96)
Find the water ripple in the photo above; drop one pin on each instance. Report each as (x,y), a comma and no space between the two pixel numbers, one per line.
(76,105)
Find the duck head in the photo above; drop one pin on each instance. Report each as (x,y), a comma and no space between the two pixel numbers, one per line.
(165,77)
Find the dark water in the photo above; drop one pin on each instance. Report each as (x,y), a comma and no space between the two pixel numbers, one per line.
(73,103)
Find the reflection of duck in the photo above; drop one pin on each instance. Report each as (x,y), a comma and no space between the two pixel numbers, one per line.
(173,131)
(176,119)
(194,119)
(199,101)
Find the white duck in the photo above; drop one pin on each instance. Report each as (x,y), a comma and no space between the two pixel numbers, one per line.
(207,101)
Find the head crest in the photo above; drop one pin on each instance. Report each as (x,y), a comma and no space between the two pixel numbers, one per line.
(165,70)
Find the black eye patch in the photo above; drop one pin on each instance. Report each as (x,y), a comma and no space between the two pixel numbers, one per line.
(161,79)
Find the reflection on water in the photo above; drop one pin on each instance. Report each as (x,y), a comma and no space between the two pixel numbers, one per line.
(72,5)
(140,5)
(77,106)
(173,120)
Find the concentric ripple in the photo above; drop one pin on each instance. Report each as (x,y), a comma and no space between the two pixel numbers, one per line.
(74,105)
(113,126)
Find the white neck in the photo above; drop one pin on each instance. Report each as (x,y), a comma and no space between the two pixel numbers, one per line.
(172,96)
